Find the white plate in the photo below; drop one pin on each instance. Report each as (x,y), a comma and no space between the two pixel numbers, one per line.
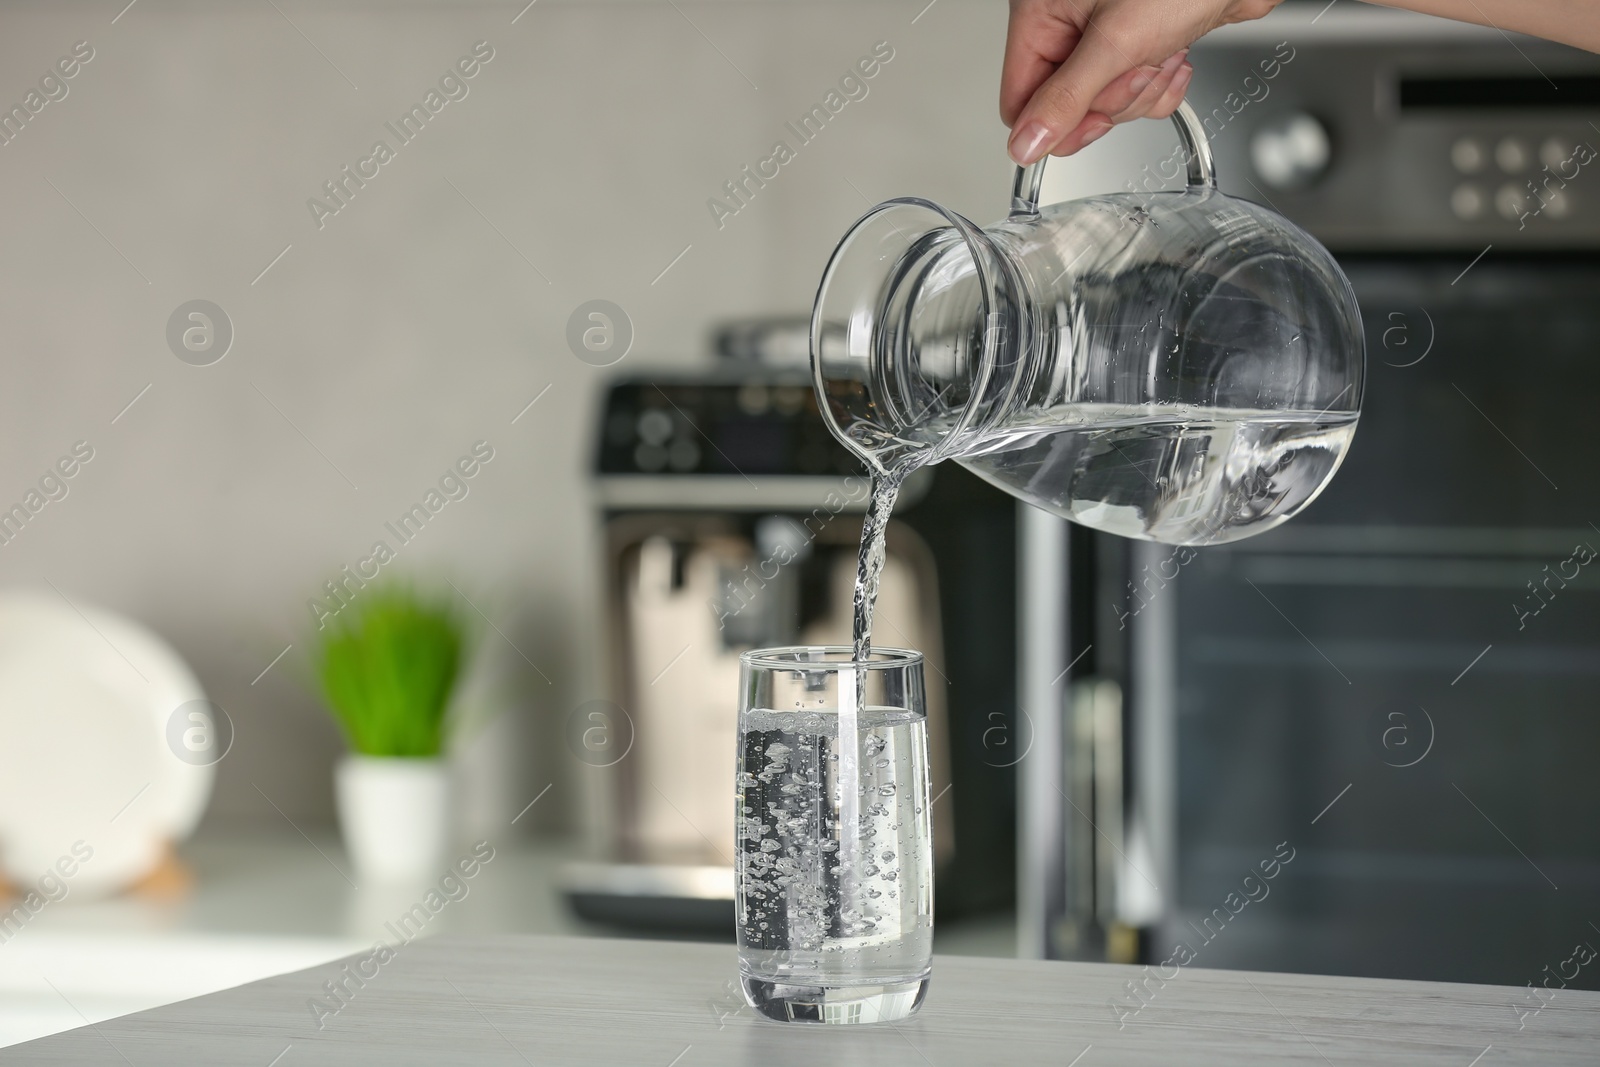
(88,783)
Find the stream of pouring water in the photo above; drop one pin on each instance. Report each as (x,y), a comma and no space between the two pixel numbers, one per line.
(869,566)
(853,697)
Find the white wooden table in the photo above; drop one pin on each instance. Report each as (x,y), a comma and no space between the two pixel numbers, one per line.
(542,1001)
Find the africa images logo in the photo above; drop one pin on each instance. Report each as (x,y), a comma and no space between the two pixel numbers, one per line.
(741,189)
(52,88)
(453,86)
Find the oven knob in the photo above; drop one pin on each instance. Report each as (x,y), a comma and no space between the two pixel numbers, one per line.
(1511,155)
(1554,153)
(1467,201)
(1510,201)
(1291,152)
(1467,155)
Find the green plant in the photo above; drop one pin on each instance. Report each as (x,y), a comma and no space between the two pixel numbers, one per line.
(387,665)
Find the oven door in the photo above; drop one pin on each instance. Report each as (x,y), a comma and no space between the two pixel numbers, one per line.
(1393,703)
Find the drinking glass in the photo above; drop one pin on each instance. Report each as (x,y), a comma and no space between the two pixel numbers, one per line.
(834,850)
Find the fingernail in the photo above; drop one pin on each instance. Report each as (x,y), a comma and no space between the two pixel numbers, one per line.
(1095,133)
(1140,82)
(1173,60)
(1029,142)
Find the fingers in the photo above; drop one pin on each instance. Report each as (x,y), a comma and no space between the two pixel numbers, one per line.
(1037,41)
(1060,107)
(1126,92)
(1157,87)
(1093,127)
(1170,99)
(1158,93)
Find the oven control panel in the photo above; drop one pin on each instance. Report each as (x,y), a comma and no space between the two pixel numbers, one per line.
(1377,139)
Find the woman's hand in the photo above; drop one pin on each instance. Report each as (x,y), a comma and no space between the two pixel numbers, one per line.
(1074,68)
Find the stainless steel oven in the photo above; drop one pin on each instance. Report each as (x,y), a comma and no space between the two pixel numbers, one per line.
(1392,703)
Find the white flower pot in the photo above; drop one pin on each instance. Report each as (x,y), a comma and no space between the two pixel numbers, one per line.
(395,816)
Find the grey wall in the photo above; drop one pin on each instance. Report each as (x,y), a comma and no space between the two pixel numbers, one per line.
(381,346)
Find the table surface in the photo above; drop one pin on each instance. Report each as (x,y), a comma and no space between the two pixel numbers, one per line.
(518,1000)
(265,902)
(289,885)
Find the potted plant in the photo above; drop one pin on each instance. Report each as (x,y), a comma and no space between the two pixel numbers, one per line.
(387,664)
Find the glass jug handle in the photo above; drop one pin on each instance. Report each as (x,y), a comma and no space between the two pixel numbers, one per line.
(1191,135)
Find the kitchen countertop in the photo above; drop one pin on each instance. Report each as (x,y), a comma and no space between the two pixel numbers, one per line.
(517,1000)
(262,903)
(284,884)
(258,903)
(289,885)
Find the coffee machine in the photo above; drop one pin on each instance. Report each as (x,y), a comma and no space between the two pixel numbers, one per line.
(732,520)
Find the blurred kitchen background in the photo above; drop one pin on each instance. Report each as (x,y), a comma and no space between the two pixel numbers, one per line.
(1124,734)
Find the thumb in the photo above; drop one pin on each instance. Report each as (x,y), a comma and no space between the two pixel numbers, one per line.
(1061,104)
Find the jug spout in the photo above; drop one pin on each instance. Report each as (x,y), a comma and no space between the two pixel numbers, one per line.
(917,335)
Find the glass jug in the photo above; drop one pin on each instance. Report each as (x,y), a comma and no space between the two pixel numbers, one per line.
(1183,367)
